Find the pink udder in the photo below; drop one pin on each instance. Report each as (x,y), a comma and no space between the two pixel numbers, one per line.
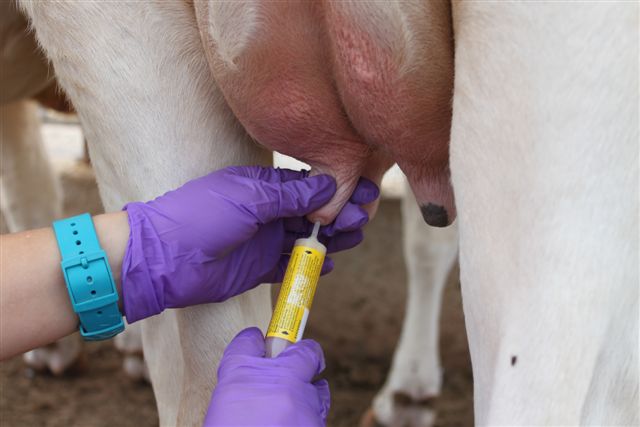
(315,86)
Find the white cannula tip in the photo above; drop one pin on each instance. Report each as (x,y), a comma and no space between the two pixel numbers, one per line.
(316,228)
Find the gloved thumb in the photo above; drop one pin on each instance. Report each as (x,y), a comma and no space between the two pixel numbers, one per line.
(305,359)
(249,342)
(294,198)
(322,387)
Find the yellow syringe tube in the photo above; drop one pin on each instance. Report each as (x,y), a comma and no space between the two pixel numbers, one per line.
(296,294)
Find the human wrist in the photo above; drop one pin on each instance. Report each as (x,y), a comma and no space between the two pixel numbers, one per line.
(138,284)
(113,231)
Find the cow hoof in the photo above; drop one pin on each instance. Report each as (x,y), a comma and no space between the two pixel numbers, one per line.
(78,367)
(43,360)
(400,410)
(368,419)
(64,356)
(135,367)
(36,360)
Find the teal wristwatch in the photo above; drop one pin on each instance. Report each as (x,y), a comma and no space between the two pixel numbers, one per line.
(88,277)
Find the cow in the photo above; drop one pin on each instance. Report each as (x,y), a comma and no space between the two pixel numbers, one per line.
(415,375)
(535,128)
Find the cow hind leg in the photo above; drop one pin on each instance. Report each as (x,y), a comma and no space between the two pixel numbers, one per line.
(415,379)
(31,199)
(544,160)
(129,343)
(30,192)
(154,118)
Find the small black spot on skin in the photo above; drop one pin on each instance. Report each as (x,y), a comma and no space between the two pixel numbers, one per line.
(435,215)
(514,360)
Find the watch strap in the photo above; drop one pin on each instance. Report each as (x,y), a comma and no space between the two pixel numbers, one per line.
(88,277)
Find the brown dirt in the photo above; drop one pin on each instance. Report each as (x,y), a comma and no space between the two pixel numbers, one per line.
(357,317)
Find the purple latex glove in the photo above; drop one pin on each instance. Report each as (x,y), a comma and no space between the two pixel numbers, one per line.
(255,391)
(225,233)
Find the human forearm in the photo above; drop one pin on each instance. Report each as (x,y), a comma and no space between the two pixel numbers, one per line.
(34,303)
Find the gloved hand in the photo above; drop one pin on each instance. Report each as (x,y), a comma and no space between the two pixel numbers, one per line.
(225,233)
(255,391)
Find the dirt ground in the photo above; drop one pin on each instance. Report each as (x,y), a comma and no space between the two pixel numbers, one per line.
(357,317)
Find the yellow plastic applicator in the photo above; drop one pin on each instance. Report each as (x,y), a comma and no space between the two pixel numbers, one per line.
(296,294)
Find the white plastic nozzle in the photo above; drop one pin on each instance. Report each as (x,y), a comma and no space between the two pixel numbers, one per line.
(316,228)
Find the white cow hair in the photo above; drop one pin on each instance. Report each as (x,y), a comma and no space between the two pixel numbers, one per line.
(154,118)
(544,160)
(232,25)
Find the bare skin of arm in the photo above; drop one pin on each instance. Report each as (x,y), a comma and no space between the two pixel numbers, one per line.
(34,304)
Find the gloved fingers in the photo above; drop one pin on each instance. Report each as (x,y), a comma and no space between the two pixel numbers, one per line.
(327,266)
(342,241)
(278,274)
(324,395)
(284,175)
(249,342)
(337,243)
(298,224)
(281,268)
(366,191)
(289,240)
(350,218)
(296,228)
(304,358)
(267,174)
(293,198)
